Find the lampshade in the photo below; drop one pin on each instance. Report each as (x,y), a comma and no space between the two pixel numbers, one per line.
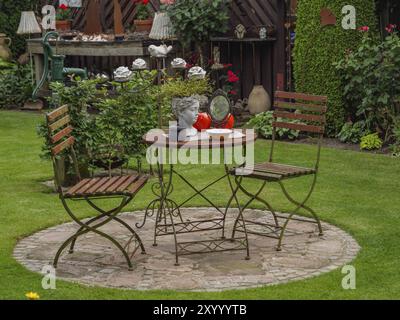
(162,27)
(28,23)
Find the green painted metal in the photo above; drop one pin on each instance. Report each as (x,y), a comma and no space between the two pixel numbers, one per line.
(57,72)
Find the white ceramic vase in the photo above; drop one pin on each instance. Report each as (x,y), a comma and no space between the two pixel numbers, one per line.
(259,100)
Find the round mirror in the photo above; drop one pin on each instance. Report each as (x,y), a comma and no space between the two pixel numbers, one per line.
(220,107)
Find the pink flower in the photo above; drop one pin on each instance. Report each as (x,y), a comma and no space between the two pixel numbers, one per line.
(364,29)
(167,2)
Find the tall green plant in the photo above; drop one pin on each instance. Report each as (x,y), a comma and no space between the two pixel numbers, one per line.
(198,20)
(317,48)
(372,82)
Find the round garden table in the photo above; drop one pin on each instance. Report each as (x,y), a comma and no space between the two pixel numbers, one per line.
(168,220)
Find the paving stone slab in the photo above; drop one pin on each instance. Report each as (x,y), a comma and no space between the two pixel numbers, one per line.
(96,262)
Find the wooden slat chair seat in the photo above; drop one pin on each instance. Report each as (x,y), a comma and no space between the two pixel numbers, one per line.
(127,185)
(273,171)
(295,111)
(123,187)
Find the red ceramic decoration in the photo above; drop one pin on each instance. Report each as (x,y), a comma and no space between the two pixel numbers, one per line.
(229,123)
(203,121)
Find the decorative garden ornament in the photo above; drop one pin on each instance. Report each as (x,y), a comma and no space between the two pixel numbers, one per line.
(122,73)
(259,100)
(240,31)
(217,59)
(186,111)
(139,64)
(197,73)
(159,51)
(5,52)
(178,63)
(263,33)
(162,27)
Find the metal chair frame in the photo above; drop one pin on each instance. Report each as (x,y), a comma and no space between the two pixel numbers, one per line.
(313,110)
(59,130)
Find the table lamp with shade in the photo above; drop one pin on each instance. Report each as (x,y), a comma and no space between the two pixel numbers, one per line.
(161,30)
(29,25)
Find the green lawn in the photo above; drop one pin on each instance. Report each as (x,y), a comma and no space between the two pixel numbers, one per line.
(356,191)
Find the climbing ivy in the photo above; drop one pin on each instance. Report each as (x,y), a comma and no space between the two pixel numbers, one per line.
(318,48)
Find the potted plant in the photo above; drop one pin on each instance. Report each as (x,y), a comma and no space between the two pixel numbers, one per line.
(143,19)
(63,18)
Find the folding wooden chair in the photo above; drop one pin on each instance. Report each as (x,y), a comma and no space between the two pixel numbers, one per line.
(124,188)
(310,112)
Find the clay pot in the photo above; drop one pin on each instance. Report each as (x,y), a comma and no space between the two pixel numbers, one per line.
(143,25)
(259,100)
(5,52)
(63,25)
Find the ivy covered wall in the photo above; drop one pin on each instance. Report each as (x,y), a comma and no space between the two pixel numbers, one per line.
(317,48)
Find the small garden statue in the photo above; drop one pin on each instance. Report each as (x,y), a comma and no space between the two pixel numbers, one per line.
(159,51)
(187,112)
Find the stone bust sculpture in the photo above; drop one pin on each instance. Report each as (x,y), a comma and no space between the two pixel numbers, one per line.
(186,110)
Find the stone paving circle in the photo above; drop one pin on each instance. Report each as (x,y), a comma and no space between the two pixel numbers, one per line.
(96,262)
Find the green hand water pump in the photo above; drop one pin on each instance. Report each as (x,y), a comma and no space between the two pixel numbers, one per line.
(56,68)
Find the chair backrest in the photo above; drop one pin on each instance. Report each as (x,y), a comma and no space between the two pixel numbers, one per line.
(309,111)
(60,137)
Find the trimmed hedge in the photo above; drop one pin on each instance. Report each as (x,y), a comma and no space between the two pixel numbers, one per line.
(10,14)
(317,48)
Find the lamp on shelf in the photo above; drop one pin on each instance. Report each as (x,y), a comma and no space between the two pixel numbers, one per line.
(162,27)
(161,30)
(29,25)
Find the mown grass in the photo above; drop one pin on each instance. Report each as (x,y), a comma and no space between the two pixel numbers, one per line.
(356,191)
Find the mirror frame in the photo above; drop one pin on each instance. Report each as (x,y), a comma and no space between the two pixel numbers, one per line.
(222,122)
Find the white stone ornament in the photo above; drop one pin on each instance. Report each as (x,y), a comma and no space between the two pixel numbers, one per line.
(139,64)
(186,111)
(263,33)
(178,63)
(122,73)
(159,51)
(197,73)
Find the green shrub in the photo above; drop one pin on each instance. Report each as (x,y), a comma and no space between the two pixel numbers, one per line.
(10,14)
(372,82)
(178,88)
(371,142)
(317,48)
(15,85)
(352,133)
(262,124)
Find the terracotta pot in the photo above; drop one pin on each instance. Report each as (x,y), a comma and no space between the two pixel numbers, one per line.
(259,100)
(143,25)
(63,25)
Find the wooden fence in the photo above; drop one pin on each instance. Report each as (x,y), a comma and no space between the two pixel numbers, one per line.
(256,62)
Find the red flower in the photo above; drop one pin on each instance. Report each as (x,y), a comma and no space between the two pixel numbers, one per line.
(391,28)
(233,92)
(228,65)
(145,2)
(364,29)
(63,7)
(232,78)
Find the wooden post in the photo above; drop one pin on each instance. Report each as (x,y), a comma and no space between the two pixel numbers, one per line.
(93,24)
(118,26)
